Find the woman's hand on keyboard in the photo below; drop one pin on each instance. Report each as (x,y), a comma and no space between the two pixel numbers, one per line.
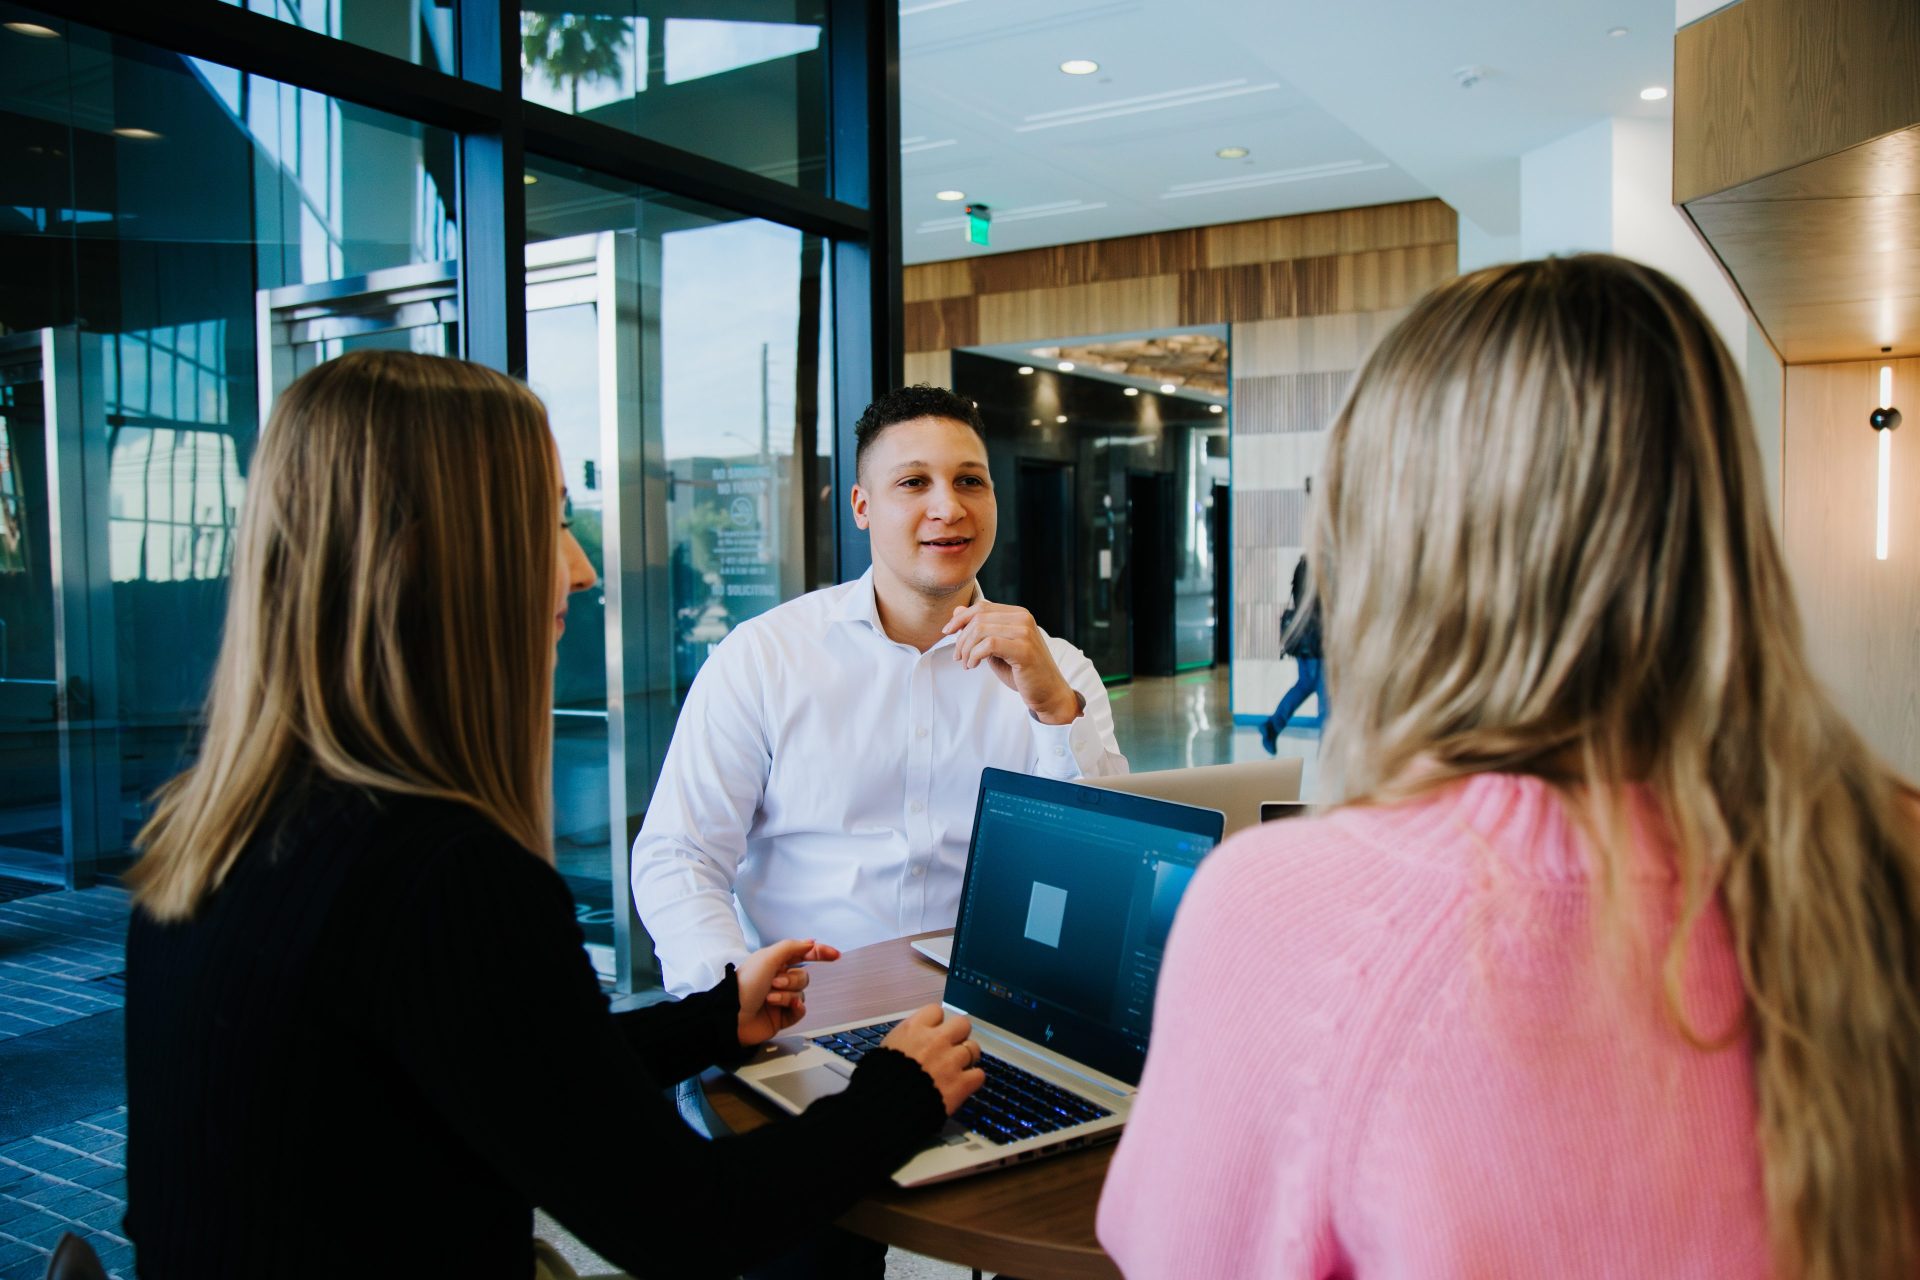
(945,1050)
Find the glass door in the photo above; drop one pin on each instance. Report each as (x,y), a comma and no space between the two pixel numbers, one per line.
(31,842)
(582,363)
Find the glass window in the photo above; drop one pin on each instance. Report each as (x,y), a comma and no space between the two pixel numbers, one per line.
(748,90)
(684,355)
(421,31)
(167,207)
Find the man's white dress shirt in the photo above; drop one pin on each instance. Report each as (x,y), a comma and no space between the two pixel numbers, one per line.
(822,779)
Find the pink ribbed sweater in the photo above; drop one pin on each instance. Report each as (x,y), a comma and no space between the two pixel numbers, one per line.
(1385,1045)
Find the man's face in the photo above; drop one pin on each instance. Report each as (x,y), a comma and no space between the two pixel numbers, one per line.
(926,499)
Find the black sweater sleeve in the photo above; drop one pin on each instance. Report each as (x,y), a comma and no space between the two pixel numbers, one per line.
(495,1014)
(679,1038)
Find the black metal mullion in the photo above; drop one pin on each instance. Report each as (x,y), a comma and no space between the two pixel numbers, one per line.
(864,48)
(265,46)
(618,154)
(493,196)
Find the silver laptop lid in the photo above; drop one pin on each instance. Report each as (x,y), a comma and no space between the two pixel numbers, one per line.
(1069,895)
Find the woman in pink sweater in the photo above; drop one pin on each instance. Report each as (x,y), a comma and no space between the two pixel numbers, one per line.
(1606,965)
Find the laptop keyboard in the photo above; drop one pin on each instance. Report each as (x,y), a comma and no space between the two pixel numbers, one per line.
(1011,1106)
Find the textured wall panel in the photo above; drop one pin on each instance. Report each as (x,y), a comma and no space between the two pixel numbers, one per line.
(1078,311)
(1283,402)
(941,325)
(930,368)
(1307,344)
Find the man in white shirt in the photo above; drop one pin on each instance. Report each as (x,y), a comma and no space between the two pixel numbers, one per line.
(824,770)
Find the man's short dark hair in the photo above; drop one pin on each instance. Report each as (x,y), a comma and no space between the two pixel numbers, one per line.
(904,404)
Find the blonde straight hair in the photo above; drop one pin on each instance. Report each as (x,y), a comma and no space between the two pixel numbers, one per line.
(389,621)
(1542,547)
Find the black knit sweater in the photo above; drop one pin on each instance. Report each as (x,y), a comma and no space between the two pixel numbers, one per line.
(379,1045)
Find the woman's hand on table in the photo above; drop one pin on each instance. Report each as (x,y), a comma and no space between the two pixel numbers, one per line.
(773,987)
(945,1049)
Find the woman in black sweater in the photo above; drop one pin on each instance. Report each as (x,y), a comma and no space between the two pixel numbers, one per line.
(362,1034)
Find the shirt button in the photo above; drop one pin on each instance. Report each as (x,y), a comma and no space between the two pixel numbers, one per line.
(921,732)
(1059,751)
(919,871)
(916,806)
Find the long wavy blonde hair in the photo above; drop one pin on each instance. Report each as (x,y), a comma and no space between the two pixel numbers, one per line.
(389,621)
(1542,548)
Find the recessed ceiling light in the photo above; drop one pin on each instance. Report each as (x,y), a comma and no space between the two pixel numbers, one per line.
(1079,66)
(1036,422)
(1652,94)
(1066,366)
(1059,417)
(1167,388)
(33,30)
(137,134)
(528,179)
(949,195)
(1232,153)
(1131,391)
(1214,408)
(1616,32)
(1025,369)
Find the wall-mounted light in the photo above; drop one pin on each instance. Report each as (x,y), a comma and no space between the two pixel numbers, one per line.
(1884,420)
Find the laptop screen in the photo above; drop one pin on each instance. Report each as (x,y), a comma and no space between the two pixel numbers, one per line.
(1069,896)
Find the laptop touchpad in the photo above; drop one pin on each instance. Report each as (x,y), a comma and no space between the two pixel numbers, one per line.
(806,1086)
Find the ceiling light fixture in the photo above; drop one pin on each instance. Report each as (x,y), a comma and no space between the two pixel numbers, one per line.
(33,30)
(137,134)
(1616,32)
(1079,66)
(1232,153)
(1036,422)
(1214,408)
(1025,369)
(1131,391)
(1653,93)
(1066,366)
(949,195)
(1167,388)
(1059,417)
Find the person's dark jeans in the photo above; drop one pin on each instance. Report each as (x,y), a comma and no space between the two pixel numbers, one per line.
(1305,687)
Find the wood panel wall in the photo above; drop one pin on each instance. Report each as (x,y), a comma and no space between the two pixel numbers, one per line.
(1862,615)
(1765,85)
(1305,298)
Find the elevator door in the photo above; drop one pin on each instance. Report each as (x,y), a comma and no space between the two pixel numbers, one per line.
(1043,529)
(1151,570)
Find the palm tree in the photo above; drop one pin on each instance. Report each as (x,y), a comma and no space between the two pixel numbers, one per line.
(572,48)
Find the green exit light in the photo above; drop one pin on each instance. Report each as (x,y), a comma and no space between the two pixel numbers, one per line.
(979,219)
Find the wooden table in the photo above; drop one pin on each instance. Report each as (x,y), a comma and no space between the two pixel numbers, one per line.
(1033,1220)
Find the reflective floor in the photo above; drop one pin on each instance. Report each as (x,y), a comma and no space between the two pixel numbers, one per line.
(1178,722)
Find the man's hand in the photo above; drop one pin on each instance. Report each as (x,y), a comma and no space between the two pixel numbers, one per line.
(772,990)
(1006,637)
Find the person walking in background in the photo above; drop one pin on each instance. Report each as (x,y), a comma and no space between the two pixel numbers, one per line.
(1608,961)
(1300,633)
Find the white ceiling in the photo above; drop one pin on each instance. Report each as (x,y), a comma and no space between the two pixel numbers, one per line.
(1339,103)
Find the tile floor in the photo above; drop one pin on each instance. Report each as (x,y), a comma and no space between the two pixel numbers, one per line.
(61,956)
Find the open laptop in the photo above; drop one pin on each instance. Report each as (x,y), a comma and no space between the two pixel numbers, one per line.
(1069,896)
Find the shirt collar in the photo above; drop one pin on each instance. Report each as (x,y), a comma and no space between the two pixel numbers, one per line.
(858,604)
